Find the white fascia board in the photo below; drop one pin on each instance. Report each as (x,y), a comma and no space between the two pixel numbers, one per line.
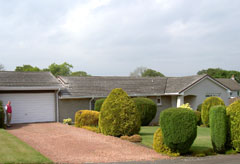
(28,88)
(173,94)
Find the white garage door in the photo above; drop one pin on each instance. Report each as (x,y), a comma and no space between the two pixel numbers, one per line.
(31,107)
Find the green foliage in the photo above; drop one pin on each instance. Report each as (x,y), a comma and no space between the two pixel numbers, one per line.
(147,109)
(206,105)
(79,73)
(233,113)
(179,128)
(2,115)
(151,73)
(98,104)
(27,68)
(119,115)
(60,69)
(198,115)
(67,121)
(220,73)
(218,125)
(199,107)
(159,146)
(91,128)
(86,118)
(186,106)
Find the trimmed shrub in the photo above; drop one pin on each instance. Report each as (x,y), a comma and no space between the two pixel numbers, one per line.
(98,104)
(198,115)
(2,115)
(218,125)
(147,109)
(119,115)
(134,138)
(67,121)
(86,118)
(206,105)
(158,144)
(179,128)
(91,128)
(199,107)
(233,113)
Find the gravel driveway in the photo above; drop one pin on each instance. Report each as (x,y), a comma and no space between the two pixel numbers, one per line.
(67,144)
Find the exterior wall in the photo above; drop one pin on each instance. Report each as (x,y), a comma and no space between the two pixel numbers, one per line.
(68,107)
(166,103)
(234,94)
(206,87)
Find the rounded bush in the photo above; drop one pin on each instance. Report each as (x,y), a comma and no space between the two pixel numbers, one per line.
(233,113)
(206,105)
(86,118)
(218,126)
(98,104)
(179,128)
(147,109)
(199,107)
(198,115)
(2,115)
(158,144)
(119,115)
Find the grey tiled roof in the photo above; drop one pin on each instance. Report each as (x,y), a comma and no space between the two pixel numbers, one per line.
(231,84)
(135,86)
(178,84)
(28,79)
(102,86)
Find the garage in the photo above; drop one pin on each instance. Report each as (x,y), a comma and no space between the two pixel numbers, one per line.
(31,107)
(33,95)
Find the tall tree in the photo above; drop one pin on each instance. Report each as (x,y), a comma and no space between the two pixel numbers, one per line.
(1,67)
(79,73)
(138,71)
(27,68)
(151,73)
(220,73)
(63,69)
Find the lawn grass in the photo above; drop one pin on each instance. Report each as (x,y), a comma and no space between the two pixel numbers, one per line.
(13,150)
(202,145)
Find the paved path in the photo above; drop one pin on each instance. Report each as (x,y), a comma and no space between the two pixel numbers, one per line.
(217,159)
(67,144)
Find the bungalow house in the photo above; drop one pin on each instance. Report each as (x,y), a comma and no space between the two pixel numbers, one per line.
(82,92)
(232,84)
(33,95)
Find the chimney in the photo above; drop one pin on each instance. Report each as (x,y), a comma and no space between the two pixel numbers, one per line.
(233,78)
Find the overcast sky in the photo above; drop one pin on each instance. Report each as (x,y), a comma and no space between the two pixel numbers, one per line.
(113,37)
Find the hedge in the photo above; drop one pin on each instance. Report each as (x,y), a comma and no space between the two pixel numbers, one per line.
(218,126)
(158,144)
(199,107)
(179,128)
(2,115)
(233,113)
(206,105)
(119,115)
(147,109)
(98,104)
(86,118)
(198,115)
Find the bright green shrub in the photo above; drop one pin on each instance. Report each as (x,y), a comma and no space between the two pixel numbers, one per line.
(98,104)
(86,118)
(233,113)
(158,144)
(2,115)
(179,128)
(198,115)
(119,115)
(147,109)
(206,105)
(186,106)
(67,121)
(91,128)
(199,107)
(218,125)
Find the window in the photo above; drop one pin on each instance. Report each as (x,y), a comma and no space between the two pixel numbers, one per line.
(159,101)
(213,94)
